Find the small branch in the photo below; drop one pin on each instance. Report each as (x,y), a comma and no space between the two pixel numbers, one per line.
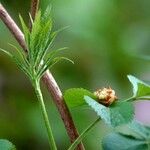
(48,79)
(143,98)
(62,107)
(129,99)
(33,10)
(83,134)
(12,27)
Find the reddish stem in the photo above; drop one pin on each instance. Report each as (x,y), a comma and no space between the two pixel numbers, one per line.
(48,79)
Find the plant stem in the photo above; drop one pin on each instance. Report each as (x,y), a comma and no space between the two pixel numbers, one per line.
(136,98)
(83,134)
(48,79)
(14,29)
(143,98)
(33,10)
(45,116)
(129,99)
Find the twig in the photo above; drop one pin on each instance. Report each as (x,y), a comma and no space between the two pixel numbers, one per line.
(33,10)
(14,29)
(48,79)
(83,134)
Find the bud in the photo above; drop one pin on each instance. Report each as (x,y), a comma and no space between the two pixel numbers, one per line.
(105,96)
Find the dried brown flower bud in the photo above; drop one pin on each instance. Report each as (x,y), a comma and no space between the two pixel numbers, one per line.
(105,96)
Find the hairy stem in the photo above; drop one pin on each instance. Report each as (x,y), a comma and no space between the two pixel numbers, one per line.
(45,116)
(83,134)
(48,79)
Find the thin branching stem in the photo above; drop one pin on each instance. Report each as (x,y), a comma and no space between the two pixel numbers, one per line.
(83,134)
(12,26)
(47,78)
(136,99)
(45,115)
(129,99)
(143,98)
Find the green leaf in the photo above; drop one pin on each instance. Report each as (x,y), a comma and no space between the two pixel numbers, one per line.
(47,14)
(135,136)
(35,35)
(116,141)
(25,31)
(21,65)
(75,96)
(53,53)
(139,87)
(118,113)
(6,145)
(41,37)
(136,130)
(39,41)
(125,130)
(43,44)
(21,55)
(48,40)
(6,52)
(19,62)
(49,63)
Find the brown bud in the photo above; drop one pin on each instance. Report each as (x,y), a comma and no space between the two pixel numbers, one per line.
(105,96)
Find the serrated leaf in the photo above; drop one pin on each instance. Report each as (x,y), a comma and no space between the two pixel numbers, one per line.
(118,113)
(140,129)
(75,97)
(43,44)
(116,141)
(135,136)
(25,31)
(47,13)
(139,87)
(6,145)
(35,35)
(53,53)
(40,39)
(22,67)
(19,62)
(125,130)
(21,55)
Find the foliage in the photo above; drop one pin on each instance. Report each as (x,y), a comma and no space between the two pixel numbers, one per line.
(38,59)
(117,114)
(75,96)
(140,88)
(36,62)
(135,136)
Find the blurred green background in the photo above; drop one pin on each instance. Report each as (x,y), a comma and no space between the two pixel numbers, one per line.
(106,39)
